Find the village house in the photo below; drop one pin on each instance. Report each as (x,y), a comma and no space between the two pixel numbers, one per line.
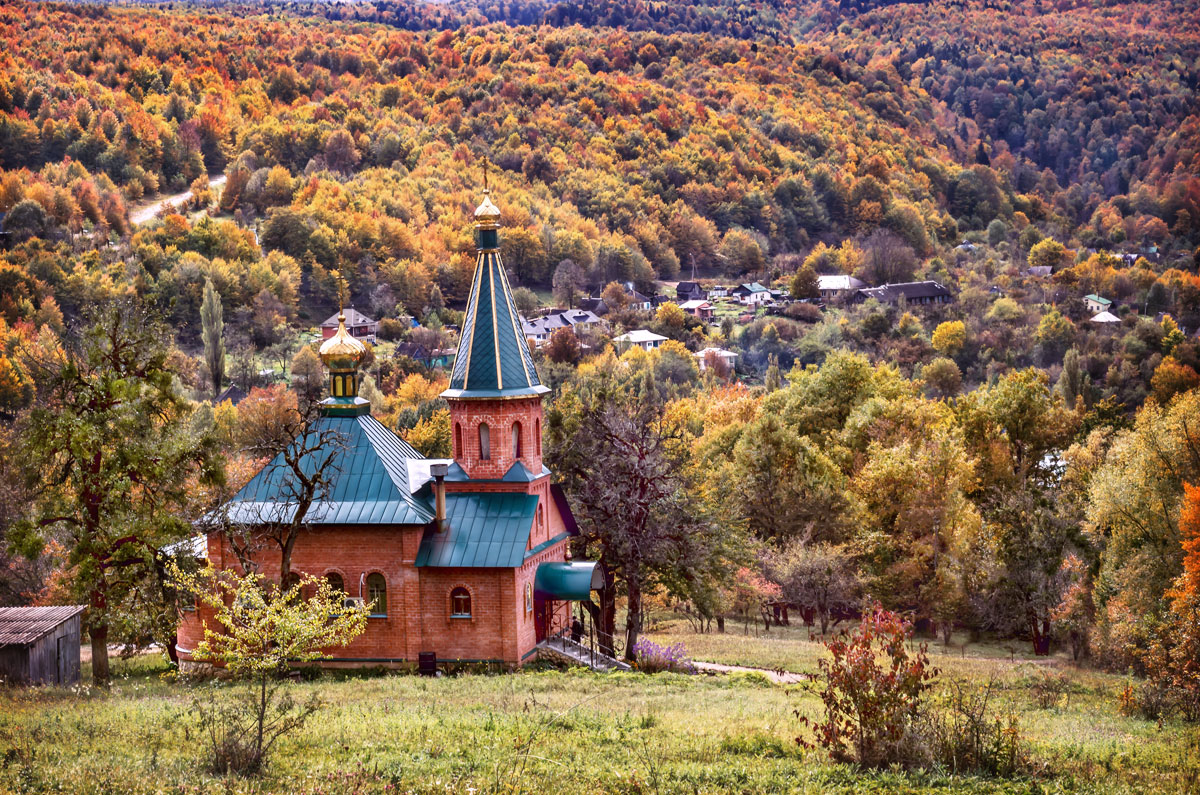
(643,338)
(913,293)
(703,357)
(753,294)
(233,393)
(839,285)
(460,559)
(690,291)
(640,300)
(359,325)
(698,308)
(1096,304)
(541,329)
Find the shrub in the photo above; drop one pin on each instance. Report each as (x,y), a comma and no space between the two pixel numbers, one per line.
(1148,700)
(966,736)
(805,313)
(392,329)
(653,658)
(872,694)
(238,730)
(1046,688)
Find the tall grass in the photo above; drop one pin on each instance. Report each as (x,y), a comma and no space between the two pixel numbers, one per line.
(549,731)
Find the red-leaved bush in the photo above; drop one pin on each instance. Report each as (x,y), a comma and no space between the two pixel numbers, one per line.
(1173,660)
(872,692)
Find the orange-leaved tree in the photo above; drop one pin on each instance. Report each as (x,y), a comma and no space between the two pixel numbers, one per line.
(1173,661)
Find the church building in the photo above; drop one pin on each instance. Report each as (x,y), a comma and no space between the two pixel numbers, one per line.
(465,558)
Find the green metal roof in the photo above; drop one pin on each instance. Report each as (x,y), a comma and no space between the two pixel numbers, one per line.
(493,358)
(485,530)
(370,486)
(573,581)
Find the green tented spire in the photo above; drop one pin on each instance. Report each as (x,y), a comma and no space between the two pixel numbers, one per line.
(493,358)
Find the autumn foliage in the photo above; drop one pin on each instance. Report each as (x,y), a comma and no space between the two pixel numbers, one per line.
(1173,662)
(873,692)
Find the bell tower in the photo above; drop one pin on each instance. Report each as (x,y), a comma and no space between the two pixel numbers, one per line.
(495,396)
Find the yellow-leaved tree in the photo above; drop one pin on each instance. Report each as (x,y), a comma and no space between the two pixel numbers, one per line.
(256,631)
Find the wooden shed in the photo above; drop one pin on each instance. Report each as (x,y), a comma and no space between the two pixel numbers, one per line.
(40,645)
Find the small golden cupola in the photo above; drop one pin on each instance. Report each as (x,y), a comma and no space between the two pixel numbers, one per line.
(342,354)
(487,223)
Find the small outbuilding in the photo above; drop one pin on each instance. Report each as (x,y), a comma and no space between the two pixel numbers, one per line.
(40,645)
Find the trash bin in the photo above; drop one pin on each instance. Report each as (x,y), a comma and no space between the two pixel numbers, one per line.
(427,663)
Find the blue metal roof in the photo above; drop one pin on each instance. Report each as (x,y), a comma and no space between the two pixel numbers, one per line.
(493,359)
(487,530)
(370,486)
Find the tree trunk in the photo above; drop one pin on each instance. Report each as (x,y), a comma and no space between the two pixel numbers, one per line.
(262,719)
(100,673)
(1076,645)
(606,627)
(1041,638)
(633,620)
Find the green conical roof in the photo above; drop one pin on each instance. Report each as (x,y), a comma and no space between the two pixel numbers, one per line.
(493,358)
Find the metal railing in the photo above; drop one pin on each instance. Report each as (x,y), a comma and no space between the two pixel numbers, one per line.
(584,640)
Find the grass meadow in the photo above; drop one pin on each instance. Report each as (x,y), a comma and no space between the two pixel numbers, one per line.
(565,732)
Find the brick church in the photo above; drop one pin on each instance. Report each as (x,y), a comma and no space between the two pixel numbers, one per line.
(465,557)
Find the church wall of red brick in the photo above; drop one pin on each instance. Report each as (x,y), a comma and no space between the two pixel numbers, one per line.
(418,599)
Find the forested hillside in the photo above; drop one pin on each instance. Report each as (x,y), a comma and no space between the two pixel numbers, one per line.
(632,153)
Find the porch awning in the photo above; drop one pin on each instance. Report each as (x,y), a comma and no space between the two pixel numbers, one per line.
(573,581)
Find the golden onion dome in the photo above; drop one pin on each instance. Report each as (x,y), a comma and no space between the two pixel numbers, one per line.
(342,351)
(487,212)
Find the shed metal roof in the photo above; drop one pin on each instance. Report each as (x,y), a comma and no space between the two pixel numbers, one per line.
(371,485)
(488,530)
(23,625)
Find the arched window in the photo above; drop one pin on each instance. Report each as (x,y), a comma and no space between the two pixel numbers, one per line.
(485,442)
(460,603)
(337,386)
(458,448)
(336,583)
(537,436)
(377,594)
(516,433)
(541,517)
